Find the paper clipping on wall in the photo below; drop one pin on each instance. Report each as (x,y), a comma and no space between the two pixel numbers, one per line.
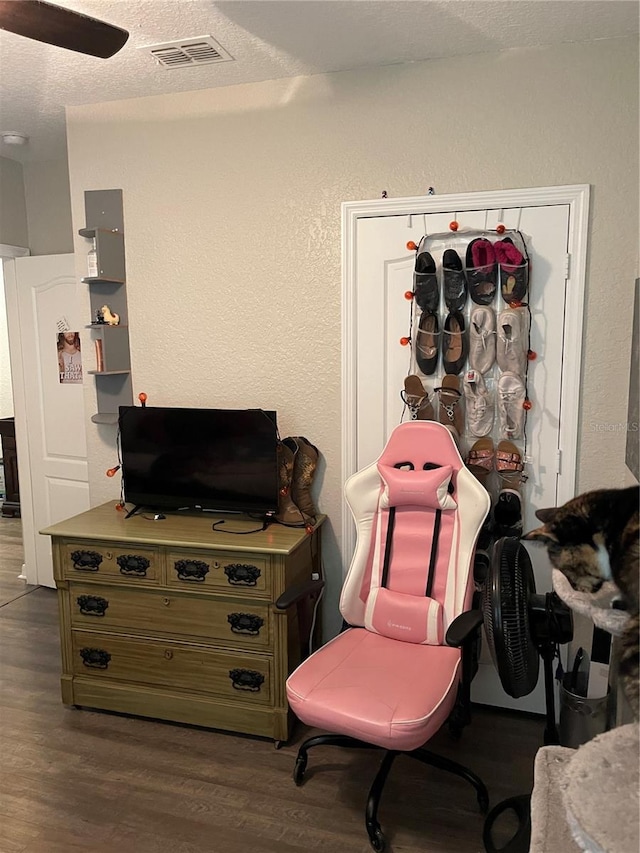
(69,358)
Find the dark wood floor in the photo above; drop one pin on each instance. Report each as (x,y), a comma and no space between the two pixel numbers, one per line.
(75,781)
(11,556)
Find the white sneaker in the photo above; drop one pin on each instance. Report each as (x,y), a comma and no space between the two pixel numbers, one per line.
(511,394)
(479,404)
(482,339)
(512,344)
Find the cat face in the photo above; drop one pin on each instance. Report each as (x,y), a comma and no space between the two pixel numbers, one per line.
(574,543)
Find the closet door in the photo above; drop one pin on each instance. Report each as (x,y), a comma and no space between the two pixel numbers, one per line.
(383,275)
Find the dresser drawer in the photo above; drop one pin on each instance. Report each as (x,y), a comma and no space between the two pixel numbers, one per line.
(242,625)
(237,677)
(113,562)
(245,573)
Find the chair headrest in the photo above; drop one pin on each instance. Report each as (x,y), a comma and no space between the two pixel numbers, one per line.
(418,442)
(410,487)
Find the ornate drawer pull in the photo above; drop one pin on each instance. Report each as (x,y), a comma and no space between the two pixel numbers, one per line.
(95,658)
(246,679)
(245,623)
(168,654)
(92,605)
(191,570)
(240,574)
(86,561)
(133,564)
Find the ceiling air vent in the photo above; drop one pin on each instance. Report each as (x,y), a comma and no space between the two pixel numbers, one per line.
(201,50)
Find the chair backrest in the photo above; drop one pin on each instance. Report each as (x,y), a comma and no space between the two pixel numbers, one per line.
(418,512)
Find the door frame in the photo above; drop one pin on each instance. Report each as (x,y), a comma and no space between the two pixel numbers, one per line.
(8,254)
(577,197)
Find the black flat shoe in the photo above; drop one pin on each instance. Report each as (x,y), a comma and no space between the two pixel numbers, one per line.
(428,343)
(425,283)
(513,271)
(482,271)
(454,281)
(454,344)
(508,514)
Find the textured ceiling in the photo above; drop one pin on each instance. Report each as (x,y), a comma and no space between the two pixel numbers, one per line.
(271,39)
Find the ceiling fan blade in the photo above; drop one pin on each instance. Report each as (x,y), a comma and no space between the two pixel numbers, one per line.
(61,27)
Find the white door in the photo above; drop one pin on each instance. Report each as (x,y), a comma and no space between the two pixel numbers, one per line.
(383,274)
(42,304)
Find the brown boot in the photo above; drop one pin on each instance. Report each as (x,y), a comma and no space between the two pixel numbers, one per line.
(304,469)
(288,512)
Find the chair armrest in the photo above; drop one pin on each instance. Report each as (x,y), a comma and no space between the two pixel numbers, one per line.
(462,627)
(295,593)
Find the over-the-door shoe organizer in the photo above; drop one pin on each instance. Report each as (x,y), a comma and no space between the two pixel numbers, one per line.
(470,321)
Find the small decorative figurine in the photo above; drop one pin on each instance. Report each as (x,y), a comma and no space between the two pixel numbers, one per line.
(99,320)
(108,317)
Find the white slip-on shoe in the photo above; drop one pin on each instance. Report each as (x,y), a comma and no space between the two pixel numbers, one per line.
(511,396)
(512,344)
(482,339)
(478,404)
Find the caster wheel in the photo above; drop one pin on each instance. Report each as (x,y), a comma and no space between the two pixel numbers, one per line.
(298,770)
(278,744)
(377,840)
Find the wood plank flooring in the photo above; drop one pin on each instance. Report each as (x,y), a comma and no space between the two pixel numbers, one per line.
(11,558)
(77,781)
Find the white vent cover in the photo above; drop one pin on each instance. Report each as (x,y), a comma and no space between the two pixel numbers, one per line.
(200,50)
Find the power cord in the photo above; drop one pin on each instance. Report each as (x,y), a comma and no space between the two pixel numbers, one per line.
(315,576)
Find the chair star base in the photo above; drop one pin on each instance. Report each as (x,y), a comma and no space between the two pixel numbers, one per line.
(425,756)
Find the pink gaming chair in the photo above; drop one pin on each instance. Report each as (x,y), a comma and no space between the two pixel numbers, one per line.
(404,663)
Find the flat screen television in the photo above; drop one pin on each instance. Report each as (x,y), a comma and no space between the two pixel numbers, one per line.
(223,460)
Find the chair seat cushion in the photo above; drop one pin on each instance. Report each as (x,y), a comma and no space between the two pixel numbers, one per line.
(376,689)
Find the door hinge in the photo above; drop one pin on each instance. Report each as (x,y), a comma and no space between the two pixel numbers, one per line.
(567,265)
(558,461)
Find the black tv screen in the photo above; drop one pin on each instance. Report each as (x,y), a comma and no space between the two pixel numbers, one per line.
(211,459)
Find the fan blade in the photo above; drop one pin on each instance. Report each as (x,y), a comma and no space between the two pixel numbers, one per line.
(54,25)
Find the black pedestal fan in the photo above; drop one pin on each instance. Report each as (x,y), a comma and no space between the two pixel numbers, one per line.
(521,626)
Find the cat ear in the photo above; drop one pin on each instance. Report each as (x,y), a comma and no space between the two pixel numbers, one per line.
(540,534)
(546,515)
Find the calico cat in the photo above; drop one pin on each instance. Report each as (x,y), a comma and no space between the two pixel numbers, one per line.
(594,538)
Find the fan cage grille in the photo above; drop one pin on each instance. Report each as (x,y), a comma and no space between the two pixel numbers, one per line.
(505,606)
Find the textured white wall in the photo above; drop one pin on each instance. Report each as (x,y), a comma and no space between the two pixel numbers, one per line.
(232,217)
(47,194)
(13,210)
